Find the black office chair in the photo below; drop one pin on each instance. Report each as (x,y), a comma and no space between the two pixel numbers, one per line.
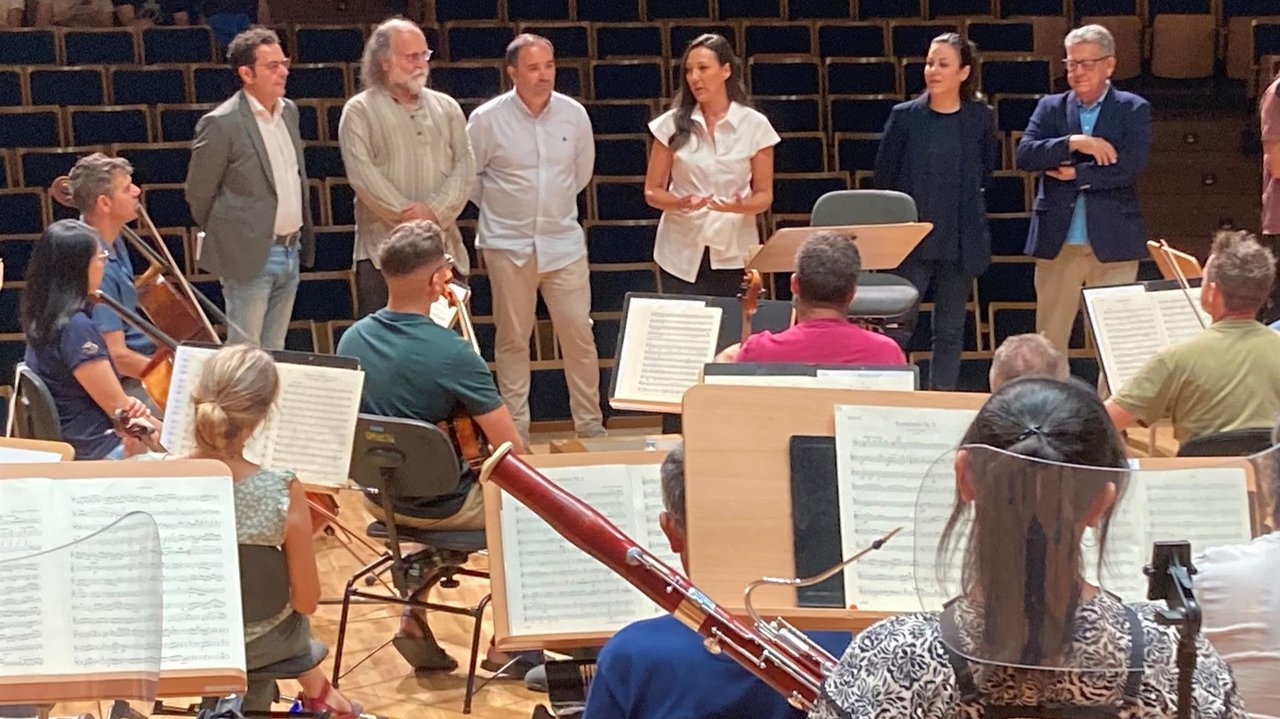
(33,414)
(395,458)
(1235,443)
(264,592)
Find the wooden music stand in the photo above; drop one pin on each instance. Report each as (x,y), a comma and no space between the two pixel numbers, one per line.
(738,489)
(1174,263)
(882,247)
(661,443)
(493,503)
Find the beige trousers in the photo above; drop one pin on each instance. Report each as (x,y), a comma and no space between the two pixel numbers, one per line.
(567,292)
(1058,283)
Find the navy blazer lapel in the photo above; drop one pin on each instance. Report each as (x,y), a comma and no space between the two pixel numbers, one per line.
(255,134)
(1073,114)
(1106,112)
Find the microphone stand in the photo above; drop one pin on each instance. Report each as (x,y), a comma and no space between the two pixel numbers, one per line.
(1169,578)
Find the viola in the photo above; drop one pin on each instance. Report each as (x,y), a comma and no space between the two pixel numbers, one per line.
(752,290)
(461,428)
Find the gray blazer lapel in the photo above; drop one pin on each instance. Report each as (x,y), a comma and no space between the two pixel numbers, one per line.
(251,127)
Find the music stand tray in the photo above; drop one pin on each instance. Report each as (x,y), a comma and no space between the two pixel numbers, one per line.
(882,247)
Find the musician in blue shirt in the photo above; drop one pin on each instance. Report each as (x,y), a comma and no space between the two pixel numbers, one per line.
(659,668)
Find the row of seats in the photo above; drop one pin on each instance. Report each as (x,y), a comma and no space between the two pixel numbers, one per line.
(653,10)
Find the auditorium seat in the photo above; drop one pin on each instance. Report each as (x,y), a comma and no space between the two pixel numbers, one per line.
(335,247)
(749,9)
(324,296)
(889,9)
(679,34)
(572,40)
(39,167)
(780,76)
(627,80)
(795,194)
(678,9)
(342,209)
(802,152)
(476,41)
(28,46)
(620,241)
(309,125)
(1013,111)
(7,177)
(213,83)
(321,81)
(960,8)
(1239,45)
(451,10)
(150,85)
(629,40)
(16,249)
(542,10)
(1127,31)
(12,92)
(22,212)
(167,204)
(621,198)
(1008,191)
(859,113)
(571,78)
(67,85)
(324,160)
(862,76)
(1085,8)
(190,44)
(856,152)
(620,117)
(1009,233)
(792,113)
(610,287)
(622,155)
(912,75)
(101,124)
(156,163)
(1031,8)
(853,39)
(178,122)
(777,38)
(99,46)
(467,80)
(1015,36)
(1016,75)
(31,127)
(328,43)
(820,10)
(608,11)
(911,38)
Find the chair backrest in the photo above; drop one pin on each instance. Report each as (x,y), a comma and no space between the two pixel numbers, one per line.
(1235,443)
(35,416)
(863,207)
(264,582)
(419,457)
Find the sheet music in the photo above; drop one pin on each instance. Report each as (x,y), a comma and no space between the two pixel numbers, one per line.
(1208,507)
(13,455)
(107,622)
(664,346)
(552,586)
(823,379)
(1130,325)
(882,456)
(445,314)
(310,429)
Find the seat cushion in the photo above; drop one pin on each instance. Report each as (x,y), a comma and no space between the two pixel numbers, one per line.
(458,540)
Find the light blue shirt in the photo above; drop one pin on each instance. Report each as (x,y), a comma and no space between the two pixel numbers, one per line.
(529,173)
(1078,232)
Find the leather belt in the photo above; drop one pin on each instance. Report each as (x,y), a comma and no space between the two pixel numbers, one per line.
(289,240)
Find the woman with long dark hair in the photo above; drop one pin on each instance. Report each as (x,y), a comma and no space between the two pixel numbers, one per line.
(940,148)
(710,172)
(1028,631)
(64,347)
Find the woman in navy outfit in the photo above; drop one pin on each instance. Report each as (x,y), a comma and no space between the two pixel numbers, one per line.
(940,148)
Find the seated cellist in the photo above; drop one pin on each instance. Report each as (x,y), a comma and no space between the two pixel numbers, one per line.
(102,190)
(417,369)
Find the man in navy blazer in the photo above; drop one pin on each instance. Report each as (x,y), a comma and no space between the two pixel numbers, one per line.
(1091,143)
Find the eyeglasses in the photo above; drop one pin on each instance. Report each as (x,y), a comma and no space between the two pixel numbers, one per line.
(276,65)
(418,56)
(1086,65)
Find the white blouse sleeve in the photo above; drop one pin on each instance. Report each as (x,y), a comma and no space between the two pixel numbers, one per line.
(763,134)
(663,126)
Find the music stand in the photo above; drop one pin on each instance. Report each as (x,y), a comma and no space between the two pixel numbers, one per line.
(1174,263)
(882,247)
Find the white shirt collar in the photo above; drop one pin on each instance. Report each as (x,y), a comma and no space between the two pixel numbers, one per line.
(733,116)
(260,111)
(520,103)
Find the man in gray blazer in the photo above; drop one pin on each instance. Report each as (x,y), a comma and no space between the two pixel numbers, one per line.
(247,187)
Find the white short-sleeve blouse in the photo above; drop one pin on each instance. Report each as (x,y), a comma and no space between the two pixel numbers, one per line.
(719,169)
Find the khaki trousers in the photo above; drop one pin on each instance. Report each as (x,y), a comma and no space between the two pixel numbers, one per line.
(567,292)
(1058,283)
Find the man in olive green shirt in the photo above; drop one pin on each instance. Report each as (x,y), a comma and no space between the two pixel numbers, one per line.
(1228,376)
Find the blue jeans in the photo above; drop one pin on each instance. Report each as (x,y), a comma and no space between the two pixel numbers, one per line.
(259,309)
(951,288)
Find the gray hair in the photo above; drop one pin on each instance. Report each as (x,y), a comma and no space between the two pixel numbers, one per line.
(1242,269)
(520,42)
(1023,355)
(243,49)
(1095,34)
(377,48)
(92,177)
(673,484)
(827,269)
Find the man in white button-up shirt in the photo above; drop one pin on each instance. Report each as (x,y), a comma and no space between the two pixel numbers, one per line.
(534,153)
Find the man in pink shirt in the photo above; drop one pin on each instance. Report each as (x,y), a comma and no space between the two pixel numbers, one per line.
(822,287)
(1269,112)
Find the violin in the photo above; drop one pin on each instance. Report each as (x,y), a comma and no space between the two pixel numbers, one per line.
(461,428)
(752,291)
(138,429)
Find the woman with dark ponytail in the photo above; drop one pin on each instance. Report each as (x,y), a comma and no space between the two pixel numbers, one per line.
(710,172)
(1027,632)
(940,148)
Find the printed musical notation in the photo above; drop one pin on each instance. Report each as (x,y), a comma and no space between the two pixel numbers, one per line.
(664,347)
(883,455)
(1131,325)
(309,432)
(552,586)
(99,605)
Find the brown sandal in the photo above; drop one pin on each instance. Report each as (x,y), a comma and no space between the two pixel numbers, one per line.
(421,651)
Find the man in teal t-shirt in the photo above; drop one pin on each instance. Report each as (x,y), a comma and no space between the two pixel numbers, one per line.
(416,369)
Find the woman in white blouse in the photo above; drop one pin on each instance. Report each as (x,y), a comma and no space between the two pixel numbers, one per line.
(710,172)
